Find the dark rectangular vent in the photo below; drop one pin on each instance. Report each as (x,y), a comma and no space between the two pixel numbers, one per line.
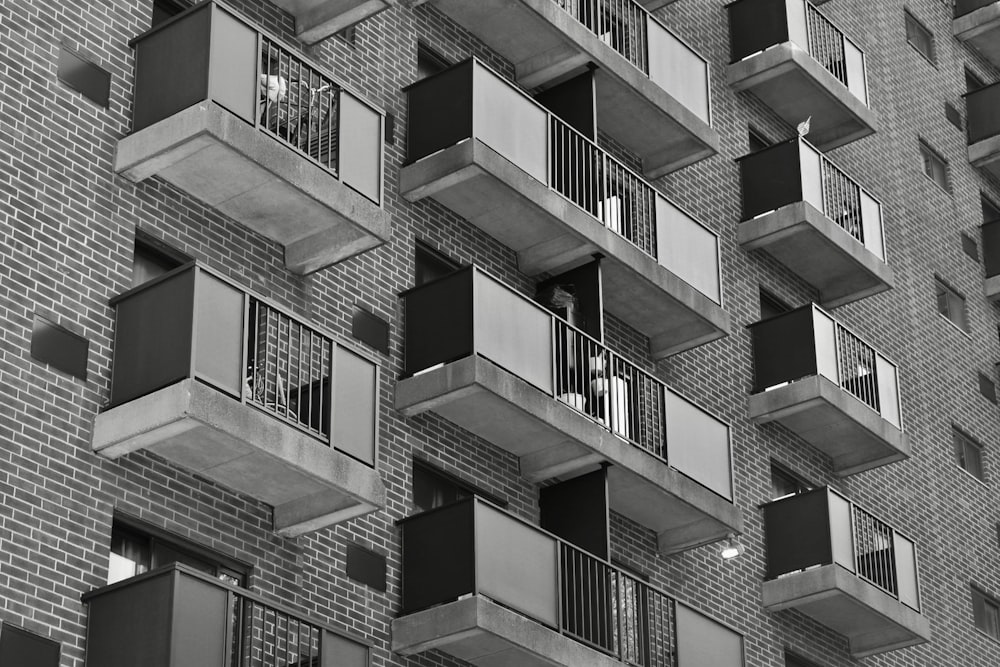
(84,77)
(366,566)
(370,329)
(60,348)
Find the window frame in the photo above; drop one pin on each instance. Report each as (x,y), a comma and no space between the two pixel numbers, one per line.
(962,445)
(946,298)
(987,600)
(940,176)
(801,484)
(915,26)
(464,488)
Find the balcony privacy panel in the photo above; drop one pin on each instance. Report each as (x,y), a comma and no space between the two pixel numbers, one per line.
(360,150)
(906,562)
(841,531)
(439,322)
(442,107)
(982,115)
(688,249)
(797,534)
(219,336)
(232,66)
(675,68)
(438,556)
(702,641)
(783,349)
(355,401)
(698,445)
(512,125)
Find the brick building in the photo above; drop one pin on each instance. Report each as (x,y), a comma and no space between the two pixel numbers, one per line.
(436,332)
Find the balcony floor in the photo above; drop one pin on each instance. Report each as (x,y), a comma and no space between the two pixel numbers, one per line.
(483,633)
(220,159)
(554,440)
(796,86)
(873,621)
(833,421)
(551,234)
(195,427)
(981,30)
(818,250)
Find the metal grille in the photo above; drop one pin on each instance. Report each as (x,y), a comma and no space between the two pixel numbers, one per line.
(874,551)
(288,369)
(856,368)
(266,637)
(602,186)
(614,612)
(842,199)
(826,43)
(298,106)
(621,24)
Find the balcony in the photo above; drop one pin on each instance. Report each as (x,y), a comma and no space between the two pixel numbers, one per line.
(977,23)
(315,20)
(801,65)
(258,134)
(805,212)
(825,384)
(485,150)
(224,384)
(490,589)
(499,365)
(177,616)
(991,258)
(984,128)
(835,562)
(652,89)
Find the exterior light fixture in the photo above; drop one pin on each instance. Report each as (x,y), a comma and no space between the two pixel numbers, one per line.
(731,549)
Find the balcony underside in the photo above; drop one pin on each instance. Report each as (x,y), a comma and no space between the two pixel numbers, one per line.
(796,86)
(985,155)
(315,20)
(250,177)
(819,251)
(551,234)
(981,30)
(830,419)
(872,621)
(547,45)
(195,427)
(554,440)
(482,632)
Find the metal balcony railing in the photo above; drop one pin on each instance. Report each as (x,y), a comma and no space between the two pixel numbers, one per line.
(963,7)
(562,361)
(467,548)
(809,341)
(826,43)
(981,111)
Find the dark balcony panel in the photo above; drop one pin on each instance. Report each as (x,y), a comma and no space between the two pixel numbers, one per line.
(836,392)
(977,23)
(812,217)
(521,596)
(518,376)
(540,187)
(991,258)
(847,569)
(220,382)
(652,89)
(315,20)
(177,616)
(787,53)
(258,133)
(984,128)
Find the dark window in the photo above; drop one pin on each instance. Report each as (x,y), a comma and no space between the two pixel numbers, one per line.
(434,488)
(968,454)
(786,483)
(969,246)
(935,166)
(20,648)
(991,213)
(429,264)
(792,660)
(136,549)
(987,388)
(152,258)
(164,9)
(951,305)
(349,35)
(771,306)
(756,141)
(59,347)
(919,37)
(986,611)
(83,76)
(972,82)
(429,61)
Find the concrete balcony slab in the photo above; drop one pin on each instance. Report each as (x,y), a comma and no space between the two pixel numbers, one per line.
(980,29)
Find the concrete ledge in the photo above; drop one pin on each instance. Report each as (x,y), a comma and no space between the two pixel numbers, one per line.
(315,20)
(819,250)
(309,484)
(479,631)
(872,620)
(833,421)
(796,86)
(985,155)
(991,288)
(552,439)
(232,166)
(981,29)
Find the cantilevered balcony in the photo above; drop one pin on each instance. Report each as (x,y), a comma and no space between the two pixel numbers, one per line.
(498,364)
(991,259)
(315,20)
(485,150)
(855,574)
(825,384)
(490,589)
(227,385)
(983,119)
(176,615)
(652,89)
(257,133)
(977,23)
(805,212)
(787,53)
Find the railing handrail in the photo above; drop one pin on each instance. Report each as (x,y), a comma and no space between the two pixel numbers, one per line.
(973,93)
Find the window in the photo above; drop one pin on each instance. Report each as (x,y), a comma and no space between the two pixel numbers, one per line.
(968,454)
(349,35)
(986,611)
(137,548)
(429,264)
(951,305)
(429,61)
(152,258)
(756,141)
(972,82)
(771,306)
(919,37)
(434,488)
(935,166)
(784,482)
